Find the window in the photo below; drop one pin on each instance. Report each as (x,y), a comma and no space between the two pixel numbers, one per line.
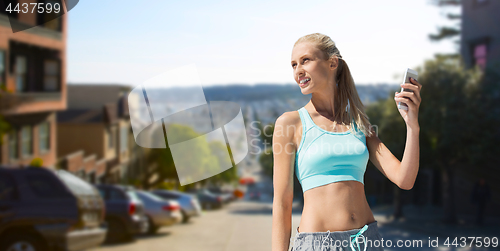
(21,65)
(27,141)
(45,186)
(91,178)
(167,195)
(102,192)
(7,188)
(123,139)
(2,69)
(44,137)
(115,194)
(13,145)
(75,184)
(145,196)
(50,20)
(133,196)
(480,55)
(480,3)
(51,75)
(111,137)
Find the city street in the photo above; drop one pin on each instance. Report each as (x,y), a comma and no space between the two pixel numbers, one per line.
(240,225)
(246,225)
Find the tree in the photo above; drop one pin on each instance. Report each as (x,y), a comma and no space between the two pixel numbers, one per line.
(448,115)
(228,176)
(448,32)
(392,131)
(453,98)
(207,156)
(266,157)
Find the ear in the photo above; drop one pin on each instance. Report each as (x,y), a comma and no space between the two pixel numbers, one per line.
(334,63)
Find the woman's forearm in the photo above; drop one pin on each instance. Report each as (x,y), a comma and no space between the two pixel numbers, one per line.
(282,226)
(410,163)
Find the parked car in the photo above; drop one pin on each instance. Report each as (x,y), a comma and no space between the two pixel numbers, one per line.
(160,212)
(190,206)
(124,213)
(226,196)
(208,200)
(45,209)
(254,195)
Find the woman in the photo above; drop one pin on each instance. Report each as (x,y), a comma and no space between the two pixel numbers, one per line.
(328,147)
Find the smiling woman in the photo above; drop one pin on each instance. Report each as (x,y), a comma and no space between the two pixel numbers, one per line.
(319,151)
(313,53)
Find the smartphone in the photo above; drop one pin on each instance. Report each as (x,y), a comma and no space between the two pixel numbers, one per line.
(408,74)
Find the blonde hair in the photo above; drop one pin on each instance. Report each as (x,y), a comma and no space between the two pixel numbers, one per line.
(347,95)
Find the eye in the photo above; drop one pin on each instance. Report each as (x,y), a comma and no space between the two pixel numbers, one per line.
(304,60)
(293,65)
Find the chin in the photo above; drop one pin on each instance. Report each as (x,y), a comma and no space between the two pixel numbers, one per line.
(305,91)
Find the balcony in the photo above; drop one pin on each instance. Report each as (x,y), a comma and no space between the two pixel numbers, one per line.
(9,101)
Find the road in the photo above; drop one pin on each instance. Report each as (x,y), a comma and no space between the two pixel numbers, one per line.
(246,225)
(241,226)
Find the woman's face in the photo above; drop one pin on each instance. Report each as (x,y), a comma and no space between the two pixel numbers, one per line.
(310,69)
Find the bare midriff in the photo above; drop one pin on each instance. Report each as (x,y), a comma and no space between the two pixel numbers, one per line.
(338,206)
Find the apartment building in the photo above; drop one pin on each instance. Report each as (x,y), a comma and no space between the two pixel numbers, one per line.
(32,86)
(480,41)
(96,128)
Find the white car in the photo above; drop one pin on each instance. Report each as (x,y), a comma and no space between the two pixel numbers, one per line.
(190,206)
(160,212)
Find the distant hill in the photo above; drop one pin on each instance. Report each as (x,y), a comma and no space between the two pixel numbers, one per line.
(367,93)
(248,93)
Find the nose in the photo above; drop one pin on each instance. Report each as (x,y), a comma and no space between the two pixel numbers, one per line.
(299,72)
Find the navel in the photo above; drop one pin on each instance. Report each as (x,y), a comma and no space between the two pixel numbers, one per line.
(353,216)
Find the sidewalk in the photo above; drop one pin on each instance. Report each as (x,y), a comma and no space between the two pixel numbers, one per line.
(428,220)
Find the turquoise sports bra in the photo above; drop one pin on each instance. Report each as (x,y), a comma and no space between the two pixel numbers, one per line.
(325,157)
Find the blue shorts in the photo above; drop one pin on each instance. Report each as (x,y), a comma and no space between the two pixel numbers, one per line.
(368,238)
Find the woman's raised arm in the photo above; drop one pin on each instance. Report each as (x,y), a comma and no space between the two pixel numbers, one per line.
(284,147)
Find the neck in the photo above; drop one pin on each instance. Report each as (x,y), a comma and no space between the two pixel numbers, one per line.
(323,101)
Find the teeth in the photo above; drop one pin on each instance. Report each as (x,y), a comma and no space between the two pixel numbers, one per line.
(304,80)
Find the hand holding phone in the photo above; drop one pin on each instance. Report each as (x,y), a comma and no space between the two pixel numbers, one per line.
(408,74)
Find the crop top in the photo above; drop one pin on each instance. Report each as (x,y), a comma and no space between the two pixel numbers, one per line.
(325,157)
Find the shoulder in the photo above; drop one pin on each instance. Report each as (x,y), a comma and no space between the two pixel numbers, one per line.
(288,118)
(287,125)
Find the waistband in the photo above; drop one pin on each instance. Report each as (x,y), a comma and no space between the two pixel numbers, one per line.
(353,234)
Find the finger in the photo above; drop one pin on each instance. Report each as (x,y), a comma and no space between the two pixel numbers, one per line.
(409,102)
(409,95)
(413,88)
(412,93)
(397,100)
(414,81)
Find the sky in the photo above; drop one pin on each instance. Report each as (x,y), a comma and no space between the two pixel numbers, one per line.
(246,42)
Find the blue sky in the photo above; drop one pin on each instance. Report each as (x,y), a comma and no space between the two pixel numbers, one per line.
(128,42)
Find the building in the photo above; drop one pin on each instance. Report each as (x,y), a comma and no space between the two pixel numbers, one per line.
(96,129)
(480,41)
(32,86)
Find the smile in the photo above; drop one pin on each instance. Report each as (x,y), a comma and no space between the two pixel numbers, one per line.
(304,82)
